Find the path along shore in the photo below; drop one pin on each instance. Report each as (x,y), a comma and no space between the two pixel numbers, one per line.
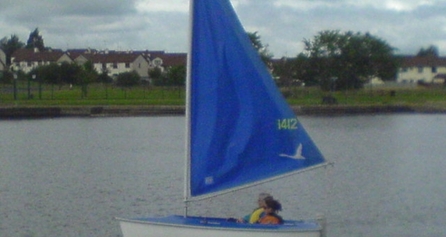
(121,111)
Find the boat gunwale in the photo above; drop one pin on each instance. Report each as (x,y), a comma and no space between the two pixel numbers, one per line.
(213,223)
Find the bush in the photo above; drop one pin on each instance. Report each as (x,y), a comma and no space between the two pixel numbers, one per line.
(6,77)
(128,79)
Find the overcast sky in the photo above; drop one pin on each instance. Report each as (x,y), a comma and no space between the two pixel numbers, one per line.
(407,25)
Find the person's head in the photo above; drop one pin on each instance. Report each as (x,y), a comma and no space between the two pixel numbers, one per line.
(272,206)
(262,198)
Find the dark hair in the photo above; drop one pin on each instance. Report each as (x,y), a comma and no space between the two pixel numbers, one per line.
(268,198)
(262,196)
(273,204)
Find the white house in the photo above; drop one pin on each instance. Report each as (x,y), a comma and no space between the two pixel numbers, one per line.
(112,62)
(2,61)
(80,56)
(116,62)
(28,59)
(422,70)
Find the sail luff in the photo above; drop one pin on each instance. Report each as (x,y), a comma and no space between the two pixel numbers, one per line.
(188,122)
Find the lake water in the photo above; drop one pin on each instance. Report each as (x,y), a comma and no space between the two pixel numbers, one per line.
(72,176)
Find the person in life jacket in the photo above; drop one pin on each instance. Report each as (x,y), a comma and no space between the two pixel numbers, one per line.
(257,213)
(271,217)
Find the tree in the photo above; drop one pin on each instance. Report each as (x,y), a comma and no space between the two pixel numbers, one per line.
(172,76)
(156,76)
(283,71)
(128,79)
(261,49)
(48,73)
(429,51)
(104,77)
(349,59)
(87,74)
(70,73)
(9,46)
(35,40)
(176,76)
(6,77)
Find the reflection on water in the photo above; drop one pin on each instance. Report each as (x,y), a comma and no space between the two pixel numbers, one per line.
(71,177)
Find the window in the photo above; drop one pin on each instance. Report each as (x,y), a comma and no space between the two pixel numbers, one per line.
(157,62)
(434,69)
(420,69)
(115,65)
(127,65)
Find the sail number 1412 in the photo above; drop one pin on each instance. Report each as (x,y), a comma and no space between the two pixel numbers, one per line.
(289,123)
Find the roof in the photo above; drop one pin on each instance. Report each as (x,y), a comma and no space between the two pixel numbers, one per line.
(174,59)
(112,57)
(29,55)
(108,56)
(429,61)
(74,53)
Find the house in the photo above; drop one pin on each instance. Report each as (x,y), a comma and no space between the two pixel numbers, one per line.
(112,62)
(3,66)
(80,56)
(428,69)
(165,60)
(116,62)
(2,61)
(28,59)
(153,59)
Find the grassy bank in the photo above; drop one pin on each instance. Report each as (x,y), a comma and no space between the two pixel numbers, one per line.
(93,95)
(106,95)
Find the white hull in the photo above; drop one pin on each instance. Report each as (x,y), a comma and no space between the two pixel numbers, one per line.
(214,227)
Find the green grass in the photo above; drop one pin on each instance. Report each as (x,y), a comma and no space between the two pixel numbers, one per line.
(97,94)
(107,95)
(402,96)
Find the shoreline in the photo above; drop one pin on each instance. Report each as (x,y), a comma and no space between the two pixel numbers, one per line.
(123,111)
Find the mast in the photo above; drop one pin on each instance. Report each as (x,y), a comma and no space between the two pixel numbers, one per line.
(188,110)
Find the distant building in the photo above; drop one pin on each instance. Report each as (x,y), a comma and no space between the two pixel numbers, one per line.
(28,59)
(2,61)
(115,63)
(422,70)
(112,62)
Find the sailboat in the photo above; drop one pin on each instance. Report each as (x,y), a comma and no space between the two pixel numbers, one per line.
(239,131)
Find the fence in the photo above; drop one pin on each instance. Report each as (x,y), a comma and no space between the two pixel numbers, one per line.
(33,91)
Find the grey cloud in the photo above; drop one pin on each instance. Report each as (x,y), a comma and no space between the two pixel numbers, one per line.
(405,30)
(117,23)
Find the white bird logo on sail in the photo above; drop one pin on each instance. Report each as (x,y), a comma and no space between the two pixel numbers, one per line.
(297,155)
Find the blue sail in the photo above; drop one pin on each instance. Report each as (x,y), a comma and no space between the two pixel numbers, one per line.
(242,130)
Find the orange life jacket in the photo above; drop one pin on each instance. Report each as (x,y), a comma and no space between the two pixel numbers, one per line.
(272,219)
